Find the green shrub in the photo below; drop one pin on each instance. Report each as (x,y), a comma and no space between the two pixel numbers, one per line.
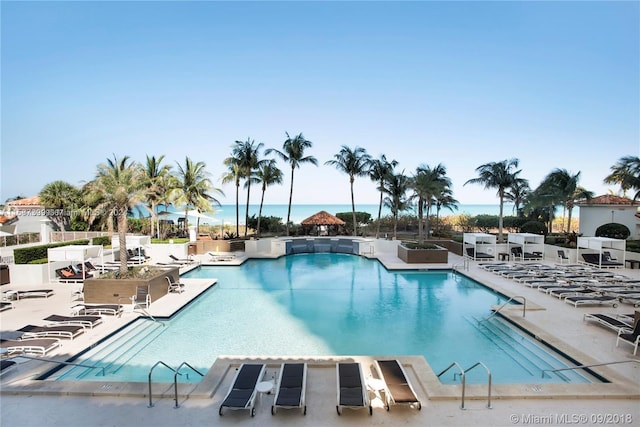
(535,227)
(102,240)
(613,231)
(33,253)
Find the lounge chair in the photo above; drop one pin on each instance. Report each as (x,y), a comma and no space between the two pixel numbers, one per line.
(6,305)
(54,331)
(33,293)
(67,274)
(86,321)
(631,336)
(291,389)
(177,260)
(216,257)
(40,346)
(352,392)
(142,298)
(100,309)
(7,366)
(591,300)
(175,286)
(242,393)
(562,257)
(611,322)
(398,390)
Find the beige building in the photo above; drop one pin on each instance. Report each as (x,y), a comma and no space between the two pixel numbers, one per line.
(608,209)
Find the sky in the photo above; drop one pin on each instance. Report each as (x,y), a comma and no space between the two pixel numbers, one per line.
(553,84)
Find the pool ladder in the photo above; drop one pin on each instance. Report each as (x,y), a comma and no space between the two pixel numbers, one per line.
(176,372)
(464,383)
(524,307)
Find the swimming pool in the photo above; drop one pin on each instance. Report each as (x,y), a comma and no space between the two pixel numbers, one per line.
(330,304)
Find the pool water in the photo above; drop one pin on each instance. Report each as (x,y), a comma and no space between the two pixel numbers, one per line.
(330,304)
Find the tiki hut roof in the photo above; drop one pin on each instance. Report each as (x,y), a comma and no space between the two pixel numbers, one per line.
(322,218)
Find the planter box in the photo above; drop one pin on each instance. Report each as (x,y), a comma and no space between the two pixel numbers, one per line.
(114,291)
(426,256)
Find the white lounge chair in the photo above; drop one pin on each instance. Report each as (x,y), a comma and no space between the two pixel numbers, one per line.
(39,346)
(631,336)
(352,391)
(398,389)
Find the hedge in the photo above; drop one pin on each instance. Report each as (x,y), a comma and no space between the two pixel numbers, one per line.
(32,253)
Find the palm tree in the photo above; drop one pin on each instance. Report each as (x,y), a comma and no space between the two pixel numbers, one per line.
(565,186)
(195,189)
(379,172)
(500,175)
(396,188)
(293,153)
(267,174)
(626,173)
(354,163)
(233,175)
(154,176)
(247,155)
(445,200)
(118,186)
(61,198)
(518,195)
(428,183)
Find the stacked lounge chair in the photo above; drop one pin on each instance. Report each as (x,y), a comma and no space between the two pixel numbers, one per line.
(40,346)
(86,321)
(242,393)
(352,392)
(609,321)
(53,331)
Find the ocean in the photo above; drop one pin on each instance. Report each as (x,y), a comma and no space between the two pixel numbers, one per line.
(227,213)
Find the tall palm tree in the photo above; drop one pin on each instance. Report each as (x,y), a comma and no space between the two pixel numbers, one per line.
(233,174)
(499,175)
(195,189)
(518,195)
(396,188)
(565,186)
(267,174)
(154,182)
(293,153)
(427,184)
(247,155)
(60,197)
(379,171)
(626,173)
(354,163)
(118,186)
(445,200)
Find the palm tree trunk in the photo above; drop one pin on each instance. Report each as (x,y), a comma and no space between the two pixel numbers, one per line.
(427,223)
(379,215)
(237,207)
(500,222)
(290,199)
(264,188)
(395,226)
(246,212)
(122,239)
(353,210)
(420,216)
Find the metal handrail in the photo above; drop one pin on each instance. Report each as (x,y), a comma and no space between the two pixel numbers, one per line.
(175,380)
(465,264)
(59,362)
(451,366)
(589,366)
(159,362)
(524,307)
(464,384)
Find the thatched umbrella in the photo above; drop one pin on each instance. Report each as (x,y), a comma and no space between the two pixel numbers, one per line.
(320,219)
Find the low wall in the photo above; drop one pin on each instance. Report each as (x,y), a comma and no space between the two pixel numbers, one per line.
(120,291)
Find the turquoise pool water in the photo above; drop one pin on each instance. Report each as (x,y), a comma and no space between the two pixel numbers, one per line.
(329,304)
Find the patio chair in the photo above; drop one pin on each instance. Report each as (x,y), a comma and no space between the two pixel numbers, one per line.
(174,286)
(631,337)
(177,260)
(398,389)
(591,300)
(242,393)
(291,389)
(562,257)
(142,298)
(352,392)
